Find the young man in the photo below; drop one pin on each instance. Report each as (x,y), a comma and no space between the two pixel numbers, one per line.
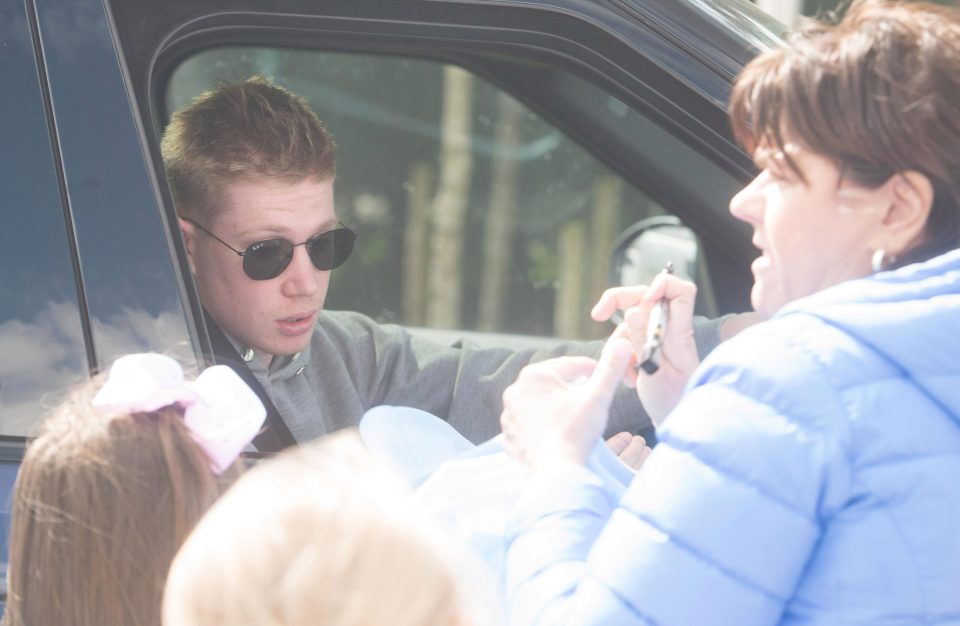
(252,171)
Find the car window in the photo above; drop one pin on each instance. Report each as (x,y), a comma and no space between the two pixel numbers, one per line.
(474,213)
(133,295)
(8,476)
(41,338)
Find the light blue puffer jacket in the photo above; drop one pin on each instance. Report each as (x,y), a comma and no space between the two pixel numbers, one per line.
(811,475)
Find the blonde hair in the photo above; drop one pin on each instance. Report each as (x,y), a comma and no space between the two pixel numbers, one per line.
(244,130)
(318,535)
(101,504)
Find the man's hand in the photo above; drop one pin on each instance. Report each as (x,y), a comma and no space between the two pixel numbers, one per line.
(631,449)
(557,409)
(661,391)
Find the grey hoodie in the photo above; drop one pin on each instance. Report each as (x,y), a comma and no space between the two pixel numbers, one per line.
(352,364)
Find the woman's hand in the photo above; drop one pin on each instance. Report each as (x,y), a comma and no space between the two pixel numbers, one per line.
(631,449)
(557,409)
(661,391)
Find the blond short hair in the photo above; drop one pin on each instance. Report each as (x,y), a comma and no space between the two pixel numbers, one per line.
(317,535)
(240,131)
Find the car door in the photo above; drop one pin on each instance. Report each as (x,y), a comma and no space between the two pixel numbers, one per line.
(86,272)
(576,120)
(579,118)
(490,154)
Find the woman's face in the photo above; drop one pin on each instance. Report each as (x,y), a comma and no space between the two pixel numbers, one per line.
(813,232)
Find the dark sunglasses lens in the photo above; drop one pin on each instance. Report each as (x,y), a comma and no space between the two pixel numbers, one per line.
(264,260)
(330,249)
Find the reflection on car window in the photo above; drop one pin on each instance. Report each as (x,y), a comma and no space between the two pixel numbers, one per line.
(132,292)
(40,334)
(499,221)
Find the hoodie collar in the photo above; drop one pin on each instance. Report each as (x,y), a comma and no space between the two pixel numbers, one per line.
(281,366)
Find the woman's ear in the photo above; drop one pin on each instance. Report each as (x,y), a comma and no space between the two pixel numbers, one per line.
(905,222)
(189,241)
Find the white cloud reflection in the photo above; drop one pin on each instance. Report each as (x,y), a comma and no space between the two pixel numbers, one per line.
(45,357)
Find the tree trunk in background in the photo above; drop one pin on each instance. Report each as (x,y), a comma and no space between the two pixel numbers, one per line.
(450,204)
(415,234)
(604,225)
(498,229)
(569,311)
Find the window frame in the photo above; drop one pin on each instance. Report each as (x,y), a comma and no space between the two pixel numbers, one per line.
(468,34)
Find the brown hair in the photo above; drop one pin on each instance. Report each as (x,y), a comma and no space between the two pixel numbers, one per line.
(100,506)
(241,130)
(876,92)
(328,537)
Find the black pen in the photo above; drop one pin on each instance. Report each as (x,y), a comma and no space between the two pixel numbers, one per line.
(656,329)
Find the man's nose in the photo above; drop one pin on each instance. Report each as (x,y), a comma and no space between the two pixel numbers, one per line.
(300,278)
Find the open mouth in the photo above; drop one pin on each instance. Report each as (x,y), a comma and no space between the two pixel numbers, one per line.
(296,324)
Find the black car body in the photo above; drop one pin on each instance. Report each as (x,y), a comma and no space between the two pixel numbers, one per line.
(92,262)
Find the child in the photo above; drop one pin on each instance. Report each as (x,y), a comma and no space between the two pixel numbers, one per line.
(115,481)
(319,535)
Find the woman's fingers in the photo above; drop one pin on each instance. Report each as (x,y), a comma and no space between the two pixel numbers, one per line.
(563,368)
(631,449)
(635,452)
(619,442)
(557,409)
(611,368)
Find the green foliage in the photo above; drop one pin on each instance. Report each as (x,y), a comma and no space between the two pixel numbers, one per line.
(542,271)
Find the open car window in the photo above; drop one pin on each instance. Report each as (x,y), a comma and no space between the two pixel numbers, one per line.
(475,213)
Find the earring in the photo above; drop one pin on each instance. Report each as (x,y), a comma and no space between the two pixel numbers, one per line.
(881,261)
(877,260)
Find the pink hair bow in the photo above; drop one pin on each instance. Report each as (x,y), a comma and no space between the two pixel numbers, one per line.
(221,411)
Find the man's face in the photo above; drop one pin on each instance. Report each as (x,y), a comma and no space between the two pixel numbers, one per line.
(275,316)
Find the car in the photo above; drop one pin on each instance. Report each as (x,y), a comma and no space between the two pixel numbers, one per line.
(490,154)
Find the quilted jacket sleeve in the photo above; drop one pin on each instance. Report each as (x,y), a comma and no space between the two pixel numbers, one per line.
(718,525)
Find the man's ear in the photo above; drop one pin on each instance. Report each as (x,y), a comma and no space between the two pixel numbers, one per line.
(905,222)
(189,241)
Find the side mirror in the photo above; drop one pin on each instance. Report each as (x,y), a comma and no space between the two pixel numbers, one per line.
(642,251)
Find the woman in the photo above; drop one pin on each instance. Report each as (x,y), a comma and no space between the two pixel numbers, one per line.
(115,481)
(807,476)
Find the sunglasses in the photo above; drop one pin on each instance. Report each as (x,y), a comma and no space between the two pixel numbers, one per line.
(263,260)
